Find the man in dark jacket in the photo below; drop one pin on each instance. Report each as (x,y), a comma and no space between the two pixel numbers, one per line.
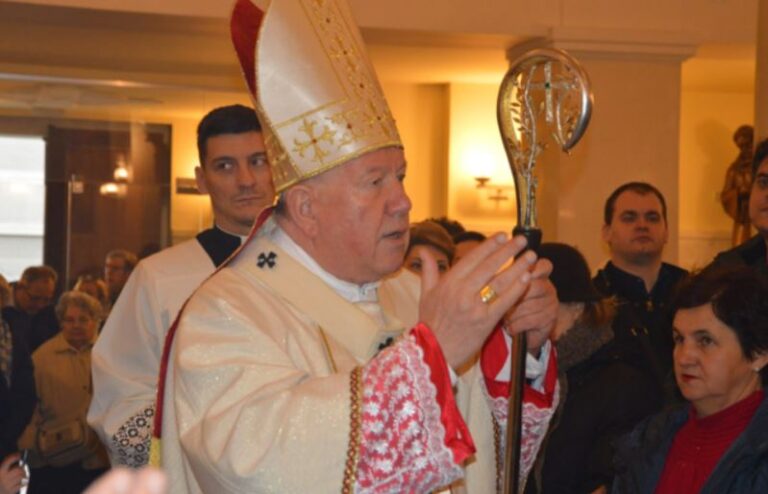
(753,251)
(636,231)
(17,388)
(32,315)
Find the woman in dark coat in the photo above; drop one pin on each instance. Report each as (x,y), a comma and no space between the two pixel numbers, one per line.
(718,443)
(606,391)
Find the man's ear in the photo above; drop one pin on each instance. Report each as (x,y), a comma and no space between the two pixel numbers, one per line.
(299,204)
(200,179)
(606,233)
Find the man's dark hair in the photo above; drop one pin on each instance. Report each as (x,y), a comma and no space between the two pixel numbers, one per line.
(453,227)
(233,119)
(761,154)
(37,273)
(641,188)
(432,234)
(739,298)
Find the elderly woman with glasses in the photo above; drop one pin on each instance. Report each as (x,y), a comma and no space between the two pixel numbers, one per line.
(66,454)
(718,443)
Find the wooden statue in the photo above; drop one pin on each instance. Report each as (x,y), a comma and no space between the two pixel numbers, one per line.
(738,183)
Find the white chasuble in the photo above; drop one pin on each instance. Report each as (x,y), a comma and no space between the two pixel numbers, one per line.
(276,384)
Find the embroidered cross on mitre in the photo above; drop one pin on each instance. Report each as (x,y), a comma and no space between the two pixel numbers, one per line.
(267,260)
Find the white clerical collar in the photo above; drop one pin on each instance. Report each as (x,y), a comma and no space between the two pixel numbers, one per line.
(351,292)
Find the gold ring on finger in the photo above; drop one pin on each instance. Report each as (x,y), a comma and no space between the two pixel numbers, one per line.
(488,294)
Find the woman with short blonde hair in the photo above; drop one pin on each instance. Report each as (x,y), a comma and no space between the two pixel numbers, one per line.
(65,455)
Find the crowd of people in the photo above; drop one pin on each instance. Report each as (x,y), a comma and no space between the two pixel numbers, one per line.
(45,359)
(326,344)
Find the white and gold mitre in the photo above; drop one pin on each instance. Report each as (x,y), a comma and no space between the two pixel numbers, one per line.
(314,88)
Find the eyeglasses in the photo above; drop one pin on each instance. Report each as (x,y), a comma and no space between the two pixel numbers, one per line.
(38,299)
(112,267)
(77,320)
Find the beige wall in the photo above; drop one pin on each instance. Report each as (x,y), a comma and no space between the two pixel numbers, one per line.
(708,120)
(189,213)
(476,151)
(422,115)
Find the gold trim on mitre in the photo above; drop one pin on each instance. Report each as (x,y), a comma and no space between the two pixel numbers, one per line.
(313,86)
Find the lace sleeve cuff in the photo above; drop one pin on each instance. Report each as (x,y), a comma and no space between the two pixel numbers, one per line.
(412,437)
(129,446)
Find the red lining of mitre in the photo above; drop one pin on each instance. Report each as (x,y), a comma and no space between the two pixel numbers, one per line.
(244,26)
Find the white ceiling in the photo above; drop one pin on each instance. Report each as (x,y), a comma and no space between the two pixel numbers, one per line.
(66,61)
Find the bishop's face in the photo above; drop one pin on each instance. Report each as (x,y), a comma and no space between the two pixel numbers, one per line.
(362,212)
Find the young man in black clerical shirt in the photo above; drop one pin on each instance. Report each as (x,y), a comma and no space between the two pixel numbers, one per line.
(235,173)
(636,231)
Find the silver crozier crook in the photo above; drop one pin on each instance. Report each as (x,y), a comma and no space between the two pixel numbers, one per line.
(545,94)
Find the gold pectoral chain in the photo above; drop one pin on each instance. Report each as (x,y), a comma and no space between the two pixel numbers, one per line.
(353,453)
(497,452)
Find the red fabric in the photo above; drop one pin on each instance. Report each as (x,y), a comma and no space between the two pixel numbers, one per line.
(492,359)
(457,437)
(402,444)
(244,27)
(157,424)
(700,444)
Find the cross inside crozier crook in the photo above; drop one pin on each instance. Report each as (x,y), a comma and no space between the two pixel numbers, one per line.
(544,94)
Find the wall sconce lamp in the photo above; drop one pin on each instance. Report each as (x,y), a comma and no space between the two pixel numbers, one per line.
(482,182)
(112,189)
(497,192)
(123,172)
(122,176)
